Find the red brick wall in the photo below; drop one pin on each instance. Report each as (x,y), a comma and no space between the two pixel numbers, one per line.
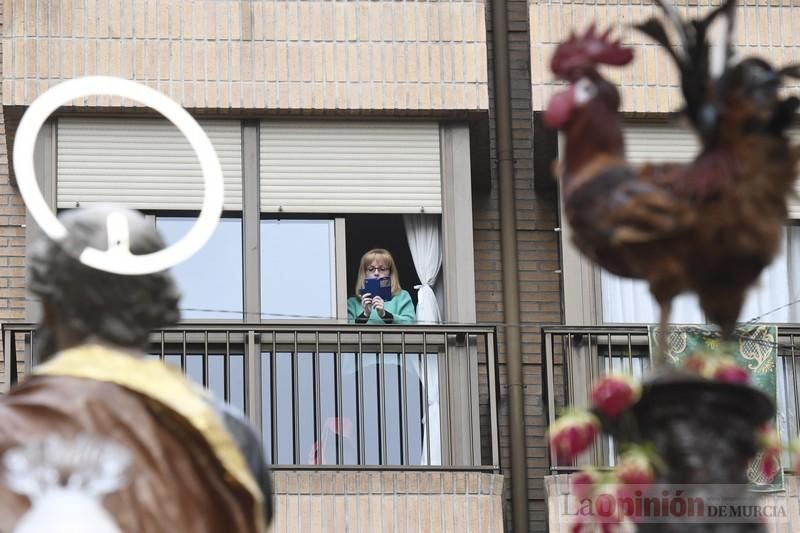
(12,236)
(537,250)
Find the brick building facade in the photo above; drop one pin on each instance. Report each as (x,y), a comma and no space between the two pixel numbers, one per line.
(381,60)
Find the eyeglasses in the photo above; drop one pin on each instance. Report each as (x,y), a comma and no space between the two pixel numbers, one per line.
(380,269)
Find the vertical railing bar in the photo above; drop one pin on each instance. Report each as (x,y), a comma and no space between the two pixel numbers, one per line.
(404,458)
(226,367)
(206,357)
(254,403)
(9,358)
(360,399)
(337,388)
(630,354)
(13,374)
(29,357)
(491,369)
(273,404)
(566,364)
(470,419)
(317,402)
(183,353)
(162,355)
(609,367)
(295,400)
(24,362)
(448,395)
(425,404)
(550,388)
(382,402)
(787,391)
(794,383)
(594,363)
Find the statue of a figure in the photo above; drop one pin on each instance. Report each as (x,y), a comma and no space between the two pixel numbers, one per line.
(102,439)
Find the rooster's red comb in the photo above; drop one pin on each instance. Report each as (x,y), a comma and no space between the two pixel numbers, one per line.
(576,55)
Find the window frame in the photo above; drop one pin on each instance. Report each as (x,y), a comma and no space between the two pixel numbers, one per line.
(457,273)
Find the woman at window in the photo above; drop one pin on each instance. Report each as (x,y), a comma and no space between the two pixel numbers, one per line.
(394,306)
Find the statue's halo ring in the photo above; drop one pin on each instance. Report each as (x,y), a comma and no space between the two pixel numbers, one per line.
(119,260)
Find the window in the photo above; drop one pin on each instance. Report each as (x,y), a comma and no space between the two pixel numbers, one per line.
(593,296)
(298,271)
(211,280)
(272,168)
(629,301)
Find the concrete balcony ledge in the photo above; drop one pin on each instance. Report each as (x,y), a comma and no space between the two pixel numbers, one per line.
(397,502)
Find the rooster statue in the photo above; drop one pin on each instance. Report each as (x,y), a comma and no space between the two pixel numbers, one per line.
(709,226)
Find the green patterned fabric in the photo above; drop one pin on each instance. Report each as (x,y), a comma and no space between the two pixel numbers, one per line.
(756,351)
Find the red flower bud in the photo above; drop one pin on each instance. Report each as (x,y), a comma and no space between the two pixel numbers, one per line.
(572,434)
(695,363)
(607,511)
(577,524)
(584,483)
(635,468)
(731,373)
(770,464)
(613,394)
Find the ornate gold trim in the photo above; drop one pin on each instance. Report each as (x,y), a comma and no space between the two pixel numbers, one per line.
(167,386)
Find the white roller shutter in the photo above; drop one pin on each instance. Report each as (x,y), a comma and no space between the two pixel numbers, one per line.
(142,163)
(661,142)
(350,167)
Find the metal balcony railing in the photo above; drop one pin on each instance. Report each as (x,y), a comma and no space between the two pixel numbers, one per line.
(575,356)
(338,396)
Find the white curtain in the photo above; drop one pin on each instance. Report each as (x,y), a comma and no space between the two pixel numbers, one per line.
(425,243)
(432,417)
(629,301)
(770,299)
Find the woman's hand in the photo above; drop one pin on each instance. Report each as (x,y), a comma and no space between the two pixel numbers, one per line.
(377,303)
(367,303)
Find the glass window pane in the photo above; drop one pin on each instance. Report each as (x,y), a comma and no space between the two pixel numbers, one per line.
(297,269)
(211,280)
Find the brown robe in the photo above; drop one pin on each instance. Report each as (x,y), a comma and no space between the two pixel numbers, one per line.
(186,473)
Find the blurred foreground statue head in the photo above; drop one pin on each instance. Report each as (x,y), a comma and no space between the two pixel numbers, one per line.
(81,303)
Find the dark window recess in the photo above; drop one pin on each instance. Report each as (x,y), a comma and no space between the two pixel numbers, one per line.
(365,232)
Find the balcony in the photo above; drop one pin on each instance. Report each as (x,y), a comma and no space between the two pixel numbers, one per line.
(339,396)
(398,419)
(576,356)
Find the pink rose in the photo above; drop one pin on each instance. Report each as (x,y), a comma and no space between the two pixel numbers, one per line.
(584,483)
(572,434)
(635,468)
(770,464)
(731,373)
(613,394)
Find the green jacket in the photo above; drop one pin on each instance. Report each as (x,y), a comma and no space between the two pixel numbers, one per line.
(399,310)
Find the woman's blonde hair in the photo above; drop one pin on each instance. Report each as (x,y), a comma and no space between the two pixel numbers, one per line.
(385,257)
